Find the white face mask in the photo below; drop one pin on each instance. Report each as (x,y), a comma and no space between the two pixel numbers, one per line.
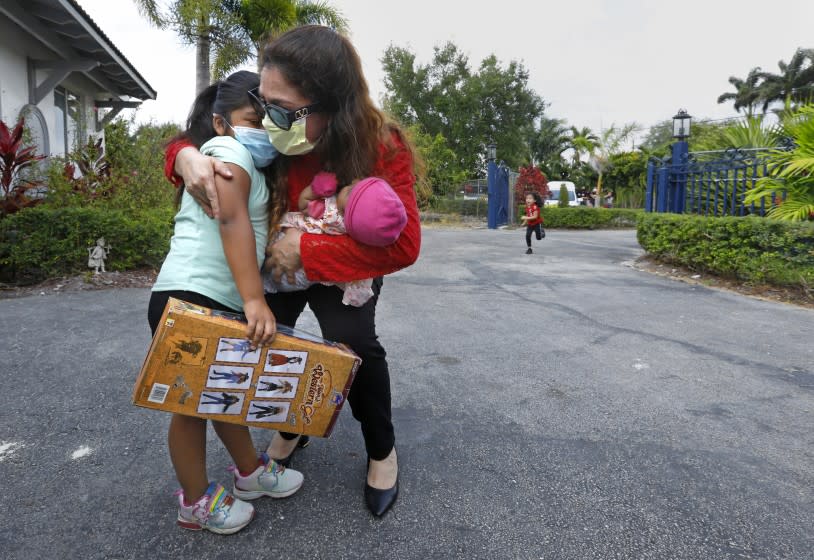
(291,142)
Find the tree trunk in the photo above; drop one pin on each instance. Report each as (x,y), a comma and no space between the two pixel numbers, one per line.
(202,48)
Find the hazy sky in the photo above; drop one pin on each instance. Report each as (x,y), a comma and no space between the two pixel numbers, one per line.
(596,62)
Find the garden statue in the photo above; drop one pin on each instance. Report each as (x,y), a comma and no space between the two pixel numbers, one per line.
(98,254)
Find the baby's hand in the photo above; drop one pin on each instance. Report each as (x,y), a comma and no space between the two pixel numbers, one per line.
(315,208)
(262,326)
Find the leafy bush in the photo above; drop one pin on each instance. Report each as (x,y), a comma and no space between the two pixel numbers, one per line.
(464,207)
(562,201)
(747,248)
(578,217)
(16,159)
(41,242)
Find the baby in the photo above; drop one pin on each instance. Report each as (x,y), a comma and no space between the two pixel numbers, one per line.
(367,210)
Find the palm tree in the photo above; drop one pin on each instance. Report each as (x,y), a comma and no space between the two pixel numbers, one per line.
(794,83)
(548,141)
(747,94)
(791,172)
(232,31)
(583,142)
(610,142)
(263,20)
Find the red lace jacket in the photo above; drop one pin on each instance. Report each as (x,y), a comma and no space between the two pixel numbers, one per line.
(338,258)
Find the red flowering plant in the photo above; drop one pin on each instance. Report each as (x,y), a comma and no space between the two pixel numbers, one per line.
(531,179)
(15,159)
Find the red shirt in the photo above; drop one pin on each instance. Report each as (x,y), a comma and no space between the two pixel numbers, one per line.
(530,210)
(338,258)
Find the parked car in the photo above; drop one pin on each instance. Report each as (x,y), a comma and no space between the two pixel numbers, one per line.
(554,193)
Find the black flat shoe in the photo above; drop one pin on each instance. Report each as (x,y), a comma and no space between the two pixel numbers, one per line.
(379,501)
(301,444)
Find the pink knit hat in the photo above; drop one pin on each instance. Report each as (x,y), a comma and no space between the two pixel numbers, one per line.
(374,215)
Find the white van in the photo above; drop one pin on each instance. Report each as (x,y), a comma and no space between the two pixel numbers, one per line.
(554,193)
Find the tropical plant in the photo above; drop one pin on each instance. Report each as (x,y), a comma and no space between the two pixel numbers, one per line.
(232,32)
(530,179)
(262,20)
(16,160)
(791,172)
(794,83)
(747,95)
(583,142)
(610,142)
(548,141)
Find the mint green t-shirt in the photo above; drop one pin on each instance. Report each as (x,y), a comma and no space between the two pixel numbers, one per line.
(196,261)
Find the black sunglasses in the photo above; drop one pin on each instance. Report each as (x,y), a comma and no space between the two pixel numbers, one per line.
(280,116)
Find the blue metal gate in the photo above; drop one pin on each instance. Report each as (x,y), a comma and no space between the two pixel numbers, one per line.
(710,183)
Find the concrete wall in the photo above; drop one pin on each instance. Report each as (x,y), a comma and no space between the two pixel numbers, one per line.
(16,48)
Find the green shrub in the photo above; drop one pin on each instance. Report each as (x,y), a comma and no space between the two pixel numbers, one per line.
(42,242)
(753,249)
(460,206)
(562,201)
(583,217)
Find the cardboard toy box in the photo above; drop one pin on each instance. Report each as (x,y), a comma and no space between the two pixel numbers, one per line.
(200,364)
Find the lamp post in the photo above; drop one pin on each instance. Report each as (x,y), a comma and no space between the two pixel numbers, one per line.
(491,185)
(674,202)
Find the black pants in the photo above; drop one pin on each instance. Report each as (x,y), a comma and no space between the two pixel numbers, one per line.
(369,396)
(158,301)
(538,231)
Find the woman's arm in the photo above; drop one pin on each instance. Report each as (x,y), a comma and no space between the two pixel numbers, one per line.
(184,164)
(238,239)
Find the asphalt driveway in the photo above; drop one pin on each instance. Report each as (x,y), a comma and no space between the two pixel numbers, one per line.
(554,405)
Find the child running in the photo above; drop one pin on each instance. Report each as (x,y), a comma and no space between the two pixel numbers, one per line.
(533,220)
(216,263)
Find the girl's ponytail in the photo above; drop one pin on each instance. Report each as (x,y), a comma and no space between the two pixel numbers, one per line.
(199,122)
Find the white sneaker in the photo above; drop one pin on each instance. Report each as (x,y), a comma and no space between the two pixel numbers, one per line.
(269,479)
(217,511)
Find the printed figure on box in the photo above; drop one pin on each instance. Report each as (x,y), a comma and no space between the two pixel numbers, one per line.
(229,377)
(216,264)
(279,387)
(285,361)
(267,411)
(237,350)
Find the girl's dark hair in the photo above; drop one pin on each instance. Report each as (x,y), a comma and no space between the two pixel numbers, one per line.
(222,98)
(324,66)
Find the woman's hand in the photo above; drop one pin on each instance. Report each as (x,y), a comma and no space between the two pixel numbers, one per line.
(198,172)
(262,325)
(284,256)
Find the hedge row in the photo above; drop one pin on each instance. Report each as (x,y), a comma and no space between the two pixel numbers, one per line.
(584,217)
(39,243)
(478,207)
(753,249)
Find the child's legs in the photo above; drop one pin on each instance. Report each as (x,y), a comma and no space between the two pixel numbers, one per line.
(187,443)
(238,442)
(529,229)
(538,231)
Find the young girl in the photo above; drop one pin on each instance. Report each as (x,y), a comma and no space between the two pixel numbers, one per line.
(533,220)
(216,263)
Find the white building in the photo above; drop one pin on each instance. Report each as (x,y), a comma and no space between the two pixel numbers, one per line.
(62,73)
